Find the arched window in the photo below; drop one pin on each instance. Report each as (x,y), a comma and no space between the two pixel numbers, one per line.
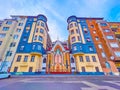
(58,56)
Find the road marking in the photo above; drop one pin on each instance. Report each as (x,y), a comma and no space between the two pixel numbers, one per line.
(96,87)
(92,86)
(113,82)
(31,81)
(71,81)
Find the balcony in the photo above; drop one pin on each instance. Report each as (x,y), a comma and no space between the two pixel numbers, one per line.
(79,53)
(36,53)
(117,32)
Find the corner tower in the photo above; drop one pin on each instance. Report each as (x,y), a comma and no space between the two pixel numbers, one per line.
(32,45)
(82,47)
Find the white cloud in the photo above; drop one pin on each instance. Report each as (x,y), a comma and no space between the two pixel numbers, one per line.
(57,13)
(39,8)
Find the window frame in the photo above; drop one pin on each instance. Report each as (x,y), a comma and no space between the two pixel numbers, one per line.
(87,58)
(18,58)
(25,58)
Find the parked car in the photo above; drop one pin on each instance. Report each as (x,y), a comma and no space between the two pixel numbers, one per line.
(4,75)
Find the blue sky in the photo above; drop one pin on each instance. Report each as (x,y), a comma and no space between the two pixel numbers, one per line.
(57,11)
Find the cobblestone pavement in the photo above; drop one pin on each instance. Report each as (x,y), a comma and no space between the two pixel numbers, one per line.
(61,83)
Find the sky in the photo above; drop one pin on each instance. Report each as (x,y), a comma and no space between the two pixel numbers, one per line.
(57,12)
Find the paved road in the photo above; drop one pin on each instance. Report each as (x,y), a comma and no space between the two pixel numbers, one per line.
(61,83)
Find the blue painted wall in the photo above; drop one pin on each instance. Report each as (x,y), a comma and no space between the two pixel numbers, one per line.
(85,47)
(38,47)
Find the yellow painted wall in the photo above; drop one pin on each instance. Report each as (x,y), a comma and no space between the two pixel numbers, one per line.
(89,66)
(24,66)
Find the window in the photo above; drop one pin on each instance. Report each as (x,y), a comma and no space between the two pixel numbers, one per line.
(96,38)
(25,38)
(73,68)
(13,44)
(22,47)
(5,28)
(22,19)
(71,25)
(81,59)
(27,30)
(2,35)
(74,48)
(107,65)
(106,30)
(90,48)
(78,38)
(92,26)
(103,24)
(39,47)
(25,58)
(100,46)
(110,37)
(117,54)
(15,69)
(33,47)
(72,60)
(88,39)
(15,36)
(0,42)
(42,24)
(94,31)
(28,25)
(97,69)
(80,47)
(35,37)
(72,31)
(9,53)
(94,58)
(87,59)
(83,69)
(43,67)
(30,69)
(75,24)
(85,29)
(40,38)
(77,31)
(36,30)
(114,29)
(114,45)
(38,23)
(103,54)
(73,39)
(18,58)
(18,30)
(32,58)
(20,24)
(41,31)
(44,60)
(9,22)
